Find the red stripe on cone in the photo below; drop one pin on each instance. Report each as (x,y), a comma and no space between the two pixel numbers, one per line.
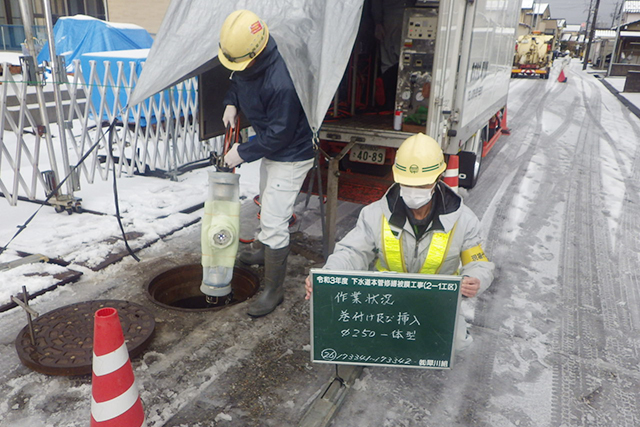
(115,398)
(107,331)
(110,386)
(452,172)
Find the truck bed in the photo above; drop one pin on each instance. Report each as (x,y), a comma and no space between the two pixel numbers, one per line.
(363,121)
(371,129)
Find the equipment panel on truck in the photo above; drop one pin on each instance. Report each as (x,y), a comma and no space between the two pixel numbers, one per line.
(450,81)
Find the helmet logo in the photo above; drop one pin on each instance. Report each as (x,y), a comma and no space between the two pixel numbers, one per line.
(414,169)
(256,27)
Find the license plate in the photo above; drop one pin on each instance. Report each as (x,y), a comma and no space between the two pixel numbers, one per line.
(367,154)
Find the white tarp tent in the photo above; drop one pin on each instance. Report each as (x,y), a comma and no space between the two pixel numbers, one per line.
(315,38)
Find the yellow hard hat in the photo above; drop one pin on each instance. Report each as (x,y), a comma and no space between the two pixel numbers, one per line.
(242,37)
(419,161)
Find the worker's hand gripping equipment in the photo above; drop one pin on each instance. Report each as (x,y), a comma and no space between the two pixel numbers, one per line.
(419,161)
(243,37)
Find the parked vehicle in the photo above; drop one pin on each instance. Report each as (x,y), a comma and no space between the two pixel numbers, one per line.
(534,56)
(453,82)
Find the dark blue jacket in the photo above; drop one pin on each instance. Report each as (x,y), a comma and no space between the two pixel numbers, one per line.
(266,95)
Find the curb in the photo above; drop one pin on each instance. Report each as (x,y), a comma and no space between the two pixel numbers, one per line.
(633,108)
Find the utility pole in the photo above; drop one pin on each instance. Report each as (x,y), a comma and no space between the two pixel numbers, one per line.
(592,33)
(614,53)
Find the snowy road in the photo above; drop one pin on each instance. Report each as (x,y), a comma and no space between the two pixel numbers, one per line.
(556,337)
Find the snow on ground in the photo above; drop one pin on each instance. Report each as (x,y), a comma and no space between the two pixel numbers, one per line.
(618,83)
(148,205)
(12,58)
(614,188)
(530,186)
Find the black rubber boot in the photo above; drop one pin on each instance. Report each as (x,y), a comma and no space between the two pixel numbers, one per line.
(253,257)
(275,268)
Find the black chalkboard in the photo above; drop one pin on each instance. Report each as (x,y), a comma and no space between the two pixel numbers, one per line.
(390,319)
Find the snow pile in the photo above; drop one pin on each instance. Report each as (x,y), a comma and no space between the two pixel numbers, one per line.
(150,209)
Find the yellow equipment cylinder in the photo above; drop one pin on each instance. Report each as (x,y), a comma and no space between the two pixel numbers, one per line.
(219,234)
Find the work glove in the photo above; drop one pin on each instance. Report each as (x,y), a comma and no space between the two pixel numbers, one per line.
(229,116)
(232,158)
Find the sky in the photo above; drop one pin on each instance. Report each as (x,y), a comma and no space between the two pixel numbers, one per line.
(577,11)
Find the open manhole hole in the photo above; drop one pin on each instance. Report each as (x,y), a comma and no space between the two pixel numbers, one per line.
(63,338)
(179,289)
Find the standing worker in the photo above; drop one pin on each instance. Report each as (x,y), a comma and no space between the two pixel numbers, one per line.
(419,226)
(262,89)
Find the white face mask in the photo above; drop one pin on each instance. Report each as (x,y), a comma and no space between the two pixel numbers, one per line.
(415,197)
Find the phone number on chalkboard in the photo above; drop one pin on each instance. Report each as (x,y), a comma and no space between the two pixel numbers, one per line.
(331,355)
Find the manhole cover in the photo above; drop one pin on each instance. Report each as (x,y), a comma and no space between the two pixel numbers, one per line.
(64,337)
(179,288)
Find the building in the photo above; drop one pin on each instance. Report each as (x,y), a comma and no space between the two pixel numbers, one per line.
(601,48)
(626,53)
(533,17)
(630,12)
(10,10)
(572,39)
(146,13)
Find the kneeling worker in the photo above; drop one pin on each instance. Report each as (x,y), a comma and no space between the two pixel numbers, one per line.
(419,226)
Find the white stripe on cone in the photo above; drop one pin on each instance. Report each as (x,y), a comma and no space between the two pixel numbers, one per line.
(450,176)
(110,362)
(115,407)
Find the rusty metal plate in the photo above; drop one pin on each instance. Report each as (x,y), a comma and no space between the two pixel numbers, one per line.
(64,336)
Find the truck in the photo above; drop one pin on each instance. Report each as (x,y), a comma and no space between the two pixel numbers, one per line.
(453,81)
(534,56)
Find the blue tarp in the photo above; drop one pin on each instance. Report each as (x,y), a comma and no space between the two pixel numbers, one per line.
(79,34)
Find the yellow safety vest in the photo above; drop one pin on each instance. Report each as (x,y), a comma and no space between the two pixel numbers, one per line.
(394,257)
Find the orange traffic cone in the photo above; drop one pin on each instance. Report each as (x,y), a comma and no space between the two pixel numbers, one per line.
(562,78)
(451,173)
(115,401)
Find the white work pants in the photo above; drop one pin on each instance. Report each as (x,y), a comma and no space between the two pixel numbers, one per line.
(280,183)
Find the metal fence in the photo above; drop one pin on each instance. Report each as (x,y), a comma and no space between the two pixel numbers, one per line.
(159,134)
